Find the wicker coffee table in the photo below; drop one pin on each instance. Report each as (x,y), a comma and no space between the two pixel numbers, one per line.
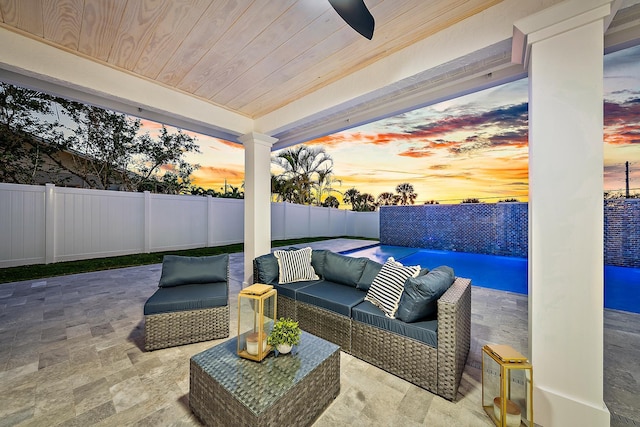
(289,389)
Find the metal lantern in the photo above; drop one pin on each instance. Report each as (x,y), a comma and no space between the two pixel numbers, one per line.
(507,386)
(256,315)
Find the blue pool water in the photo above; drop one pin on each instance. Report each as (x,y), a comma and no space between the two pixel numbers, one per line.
(621,284)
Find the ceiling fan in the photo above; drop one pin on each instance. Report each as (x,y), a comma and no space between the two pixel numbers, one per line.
(356,14)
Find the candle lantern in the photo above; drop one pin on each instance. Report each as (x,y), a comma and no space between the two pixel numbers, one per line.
(256,315)
(507,386)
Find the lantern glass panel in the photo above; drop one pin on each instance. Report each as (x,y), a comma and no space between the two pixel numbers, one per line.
(507,386)
(256,315)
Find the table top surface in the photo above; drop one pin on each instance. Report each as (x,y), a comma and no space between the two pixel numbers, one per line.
(258,385)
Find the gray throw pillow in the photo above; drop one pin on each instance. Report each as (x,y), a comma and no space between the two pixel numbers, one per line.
(420,297)
(187,270)
(318,256)
(343,269)
(267,266)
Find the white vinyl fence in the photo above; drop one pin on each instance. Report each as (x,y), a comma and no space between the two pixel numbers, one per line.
(50,224)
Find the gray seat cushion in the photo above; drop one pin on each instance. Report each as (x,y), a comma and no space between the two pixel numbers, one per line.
(187,297)
(289,290)
(425,331)
(331,296)
(185,270)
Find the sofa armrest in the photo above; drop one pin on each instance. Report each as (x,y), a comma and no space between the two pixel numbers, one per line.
(454,336)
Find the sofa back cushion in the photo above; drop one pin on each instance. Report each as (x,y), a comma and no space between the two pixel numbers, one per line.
(420,297)
(186,270)
(266,269)
(343,269)
(371,270)
(318,257)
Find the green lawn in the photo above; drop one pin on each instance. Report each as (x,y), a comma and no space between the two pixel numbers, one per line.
(30,272)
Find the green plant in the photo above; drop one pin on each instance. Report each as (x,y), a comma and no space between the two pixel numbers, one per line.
(285,331)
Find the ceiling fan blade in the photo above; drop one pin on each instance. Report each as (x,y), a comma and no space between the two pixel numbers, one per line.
(356,14)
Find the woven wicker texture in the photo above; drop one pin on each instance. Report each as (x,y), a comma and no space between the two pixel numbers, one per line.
(185,327)
(325,324)
(454,336)
(437,370)
(409,359)
(227,390)
(287,307)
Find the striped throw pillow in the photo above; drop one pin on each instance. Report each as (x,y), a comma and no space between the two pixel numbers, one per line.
(295,266)
(388,285)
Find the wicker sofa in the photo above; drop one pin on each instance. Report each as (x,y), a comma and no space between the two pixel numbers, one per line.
(191,303)
(430,353)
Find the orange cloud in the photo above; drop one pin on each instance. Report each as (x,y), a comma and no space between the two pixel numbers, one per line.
(416,153)
(214,177)
(229,143)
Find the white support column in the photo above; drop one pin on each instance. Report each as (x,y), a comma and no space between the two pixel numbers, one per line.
(563,47)
(257,198)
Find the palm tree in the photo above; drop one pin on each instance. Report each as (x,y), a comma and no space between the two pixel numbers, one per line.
(365,202)
(331,202)
(325,184)
(406,193)
(302,166)
(350,196)
(387,199)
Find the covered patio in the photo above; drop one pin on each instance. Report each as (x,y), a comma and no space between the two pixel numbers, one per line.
(438,54)
(72,354)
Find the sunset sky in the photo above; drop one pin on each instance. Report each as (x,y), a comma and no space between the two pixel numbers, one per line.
(470,147)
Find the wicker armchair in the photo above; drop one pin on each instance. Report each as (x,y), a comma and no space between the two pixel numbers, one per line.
(191,303)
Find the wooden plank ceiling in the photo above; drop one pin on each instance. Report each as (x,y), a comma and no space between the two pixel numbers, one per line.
(251,57)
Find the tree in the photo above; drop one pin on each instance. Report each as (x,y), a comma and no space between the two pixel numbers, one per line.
(364,202)
(331,202)
(98,149)
(283,188)
(360,202)
(233,193)
(112,151)
(324,184)
(406,193)
(387,199)
(302,166)
(471,200)
(351,196)
(25,139)
(152,156)
(105,140)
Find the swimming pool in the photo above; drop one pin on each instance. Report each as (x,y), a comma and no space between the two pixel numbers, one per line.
(621,284)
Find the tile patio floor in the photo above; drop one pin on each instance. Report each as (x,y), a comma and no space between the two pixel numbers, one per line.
(71,355)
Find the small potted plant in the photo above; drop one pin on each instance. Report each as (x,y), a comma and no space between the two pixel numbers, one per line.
(284,335)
